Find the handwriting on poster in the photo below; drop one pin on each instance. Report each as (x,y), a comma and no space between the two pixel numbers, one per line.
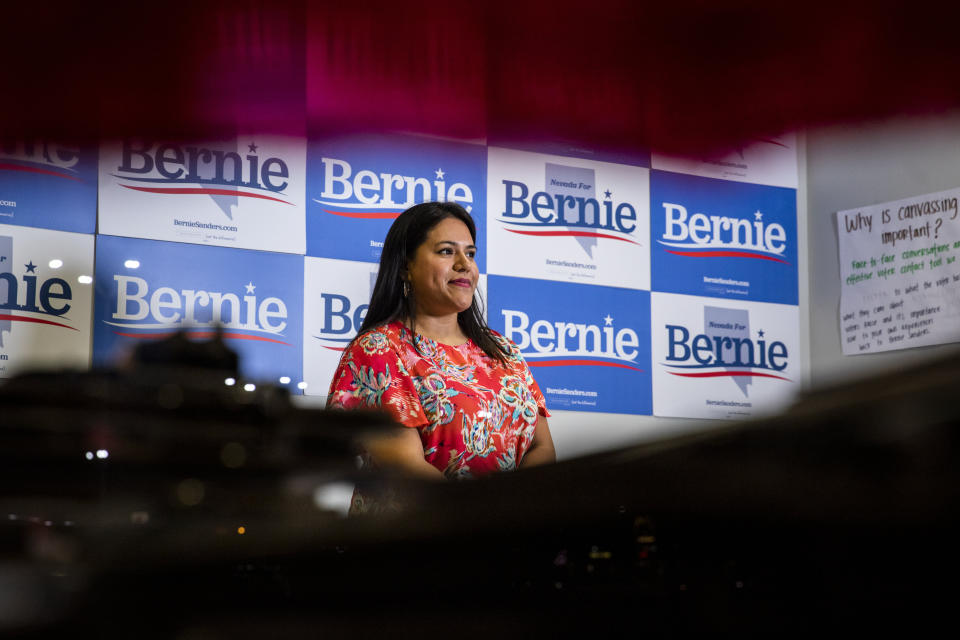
(900,275)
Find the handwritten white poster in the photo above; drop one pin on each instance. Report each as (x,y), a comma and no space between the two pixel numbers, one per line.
(900,276)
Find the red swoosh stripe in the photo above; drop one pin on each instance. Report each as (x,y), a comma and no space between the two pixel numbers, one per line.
(199,191)
(587,234)
(724,254)
(201,334)
(366,215)
(717,374)
(16,167)
(581,363)
(7,316)
(334,348)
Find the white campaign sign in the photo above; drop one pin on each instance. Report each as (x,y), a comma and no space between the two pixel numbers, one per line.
(728,359)
(771,161)
(46,299)
(336,295)
(567,219)
(247,192)
(900,279)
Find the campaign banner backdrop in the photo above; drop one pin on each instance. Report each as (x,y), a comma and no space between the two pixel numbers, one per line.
(771,161)
(568,219)
(723,239)
(245,192)
(48,185)
(46,299)
(336,295)
(358,185)
(588,347)
(722,358)
(147,290)
(899,275)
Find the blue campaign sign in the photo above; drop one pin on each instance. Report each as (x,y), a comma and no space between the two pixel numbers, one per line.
(357,186)
(48,185)
(148,289)
(723,239)
(588,346)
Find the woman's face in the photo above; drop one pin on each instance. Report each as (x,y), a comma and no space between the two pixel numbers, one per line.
(443,274)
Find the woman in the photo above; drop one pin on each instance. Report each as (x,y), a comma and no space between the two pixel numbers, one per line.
(425,356)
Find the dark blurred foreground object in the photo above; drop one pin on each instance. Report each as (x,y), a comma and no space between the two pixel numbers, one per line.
(129,469)
(179,351)
(841,515)
(684,75)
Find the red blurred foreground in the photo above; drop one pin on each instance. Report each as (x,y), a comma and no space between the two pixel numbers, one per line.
(620,75)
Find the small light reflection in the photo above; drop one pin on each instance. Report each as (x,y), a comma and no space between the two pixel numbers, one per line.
(56,263)
(190,492)
(103,454)
(333,496)
(84,279)
(132,264)
(301,385)
(249,387)
(233,455)
(48,523)
(284,379)
(241,530)
(89,455)
(230,382)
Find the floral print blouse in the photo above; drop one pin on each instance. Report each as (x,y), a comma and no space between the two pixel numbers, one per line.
(474,414)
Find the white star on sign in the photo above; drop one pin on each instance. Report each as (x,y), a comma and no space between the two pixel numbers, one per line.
(758,215)
(608,320)
(439,173)
(250,287)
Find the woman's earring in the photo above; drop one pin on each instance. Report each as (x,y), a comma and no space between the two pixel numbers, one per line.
(406,289)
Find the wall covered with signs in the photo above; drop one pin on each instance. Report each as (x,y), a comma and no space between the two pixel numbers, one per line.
(642,285)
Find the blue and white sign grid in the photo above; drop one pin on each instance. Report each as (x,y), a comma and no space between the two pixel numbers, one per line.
(587,346)
(723,239)
(148,289)
(575,239)
(358,185)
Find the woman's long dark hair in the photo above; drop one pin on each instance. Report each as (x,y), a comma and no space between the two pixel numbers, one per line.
(388,303)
